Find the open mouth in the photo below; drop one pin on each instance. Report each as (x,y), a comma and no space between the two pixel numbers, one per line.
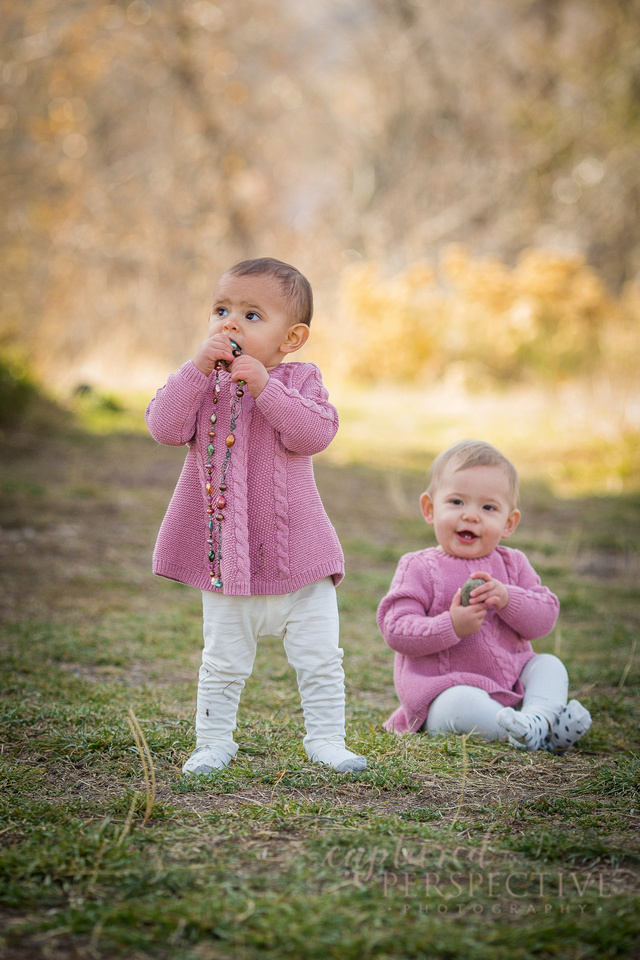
(467,536)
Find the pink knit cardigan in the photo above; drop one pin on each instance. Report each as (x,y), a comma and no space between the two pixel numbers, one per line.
(277,537)
(415,621)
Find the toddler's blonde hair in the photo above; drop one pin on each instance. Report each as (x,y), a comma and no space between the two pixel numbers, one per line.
(473,453)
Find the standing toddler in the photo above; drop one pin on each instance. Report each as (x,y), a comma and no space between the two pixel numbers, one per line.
(246,524)
(471,668)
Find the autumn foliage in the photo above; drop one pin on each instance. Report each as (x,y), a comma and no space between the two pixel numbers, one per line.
(546,319)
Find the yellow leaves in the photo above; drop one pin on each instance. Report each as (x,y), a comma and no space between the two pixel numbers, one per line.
(384,316)
(454,262)
(542,319)
(418,275)
(485,281)
(551,277)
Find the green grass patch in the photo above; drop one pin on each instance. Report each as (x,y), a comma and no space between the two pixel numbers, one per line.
(444,847)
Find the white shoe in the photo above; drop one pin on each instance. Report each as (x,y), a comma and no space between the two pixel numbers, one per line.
(351,764)
(572,723)
(206,759)
(524,731)
(335,755)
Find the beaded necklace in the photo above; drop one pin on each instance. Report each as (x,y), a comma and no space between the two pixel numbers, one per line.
(217,502)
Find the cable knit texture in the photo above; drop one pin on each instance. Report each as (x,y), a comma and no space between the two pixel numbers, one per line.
(415,621)
(277,537)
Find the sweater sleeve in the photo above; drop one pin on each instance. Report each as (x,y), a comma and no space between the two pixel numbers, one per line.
(532,610)
(300,412)
(403,615)
(171,415)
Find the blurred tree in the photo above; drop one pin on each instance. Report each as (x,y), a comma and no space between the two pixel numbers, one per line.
(146,147)
(147,144)
(503,125)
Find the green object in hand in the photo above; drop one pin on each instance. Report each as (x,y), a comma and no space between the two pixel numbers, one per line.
(470,585)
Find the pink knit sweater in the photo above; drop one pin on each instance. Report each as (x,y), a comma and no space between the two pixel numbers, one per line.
(415,621)
(277,537)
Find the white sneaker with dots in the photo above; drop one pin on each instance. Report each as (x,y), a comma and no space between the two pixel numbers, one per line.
(528,731)
(572,722)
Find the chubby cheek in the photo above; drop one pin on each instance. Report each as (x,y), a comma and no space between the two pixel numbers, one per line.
(215,325)
(443,531)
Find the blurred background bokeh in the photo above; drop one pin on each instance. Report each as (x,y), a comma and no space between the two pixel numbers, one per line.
(459,179)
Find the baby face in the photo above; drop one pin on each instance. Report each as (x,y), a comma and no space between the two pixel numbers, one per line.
(471,510)
(253,312)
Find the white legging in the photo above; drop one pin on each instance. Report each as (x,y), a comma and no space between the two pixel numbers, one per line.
(307,621)
(465,709)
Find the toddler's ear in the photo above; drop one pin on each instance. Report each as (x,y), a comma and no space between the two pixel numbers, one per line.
(296,337)
(512,523)
(426,505)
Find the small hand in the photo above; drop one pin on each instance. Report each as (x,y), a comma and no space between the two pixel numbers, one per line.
(211,350)
(252,371)
(492,594)
(466,620)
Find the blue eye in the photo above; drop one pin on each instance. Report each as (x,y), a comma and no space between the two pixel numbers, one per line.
(488,506)
(221,311)
(253,316)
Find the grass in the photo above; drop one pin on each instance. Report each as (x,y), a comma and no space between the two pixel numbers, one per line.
(446,847)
